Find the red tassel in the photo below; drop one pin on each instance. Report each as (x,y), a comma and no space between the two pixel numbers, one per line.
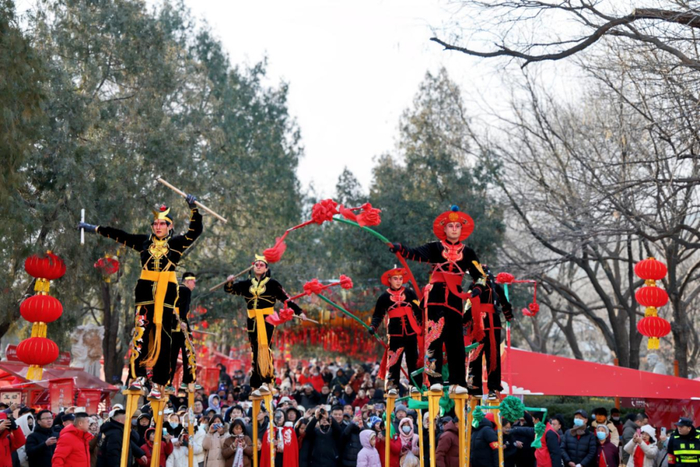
(347,213)
(369,216)
(274,254)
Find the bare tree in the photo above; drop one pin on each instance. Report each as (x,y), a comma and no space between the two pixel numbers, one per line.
(531,30)
(601,185)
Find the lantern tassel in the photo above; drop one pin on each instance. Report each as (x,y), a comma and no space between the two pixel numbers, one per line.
(653,343)
(35,372)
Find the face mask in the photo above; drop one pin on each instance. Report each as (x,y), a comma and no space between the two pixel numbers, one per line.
(617,419)
(578,421)
(173,425)
(134,422)
(601,436)
(406,429)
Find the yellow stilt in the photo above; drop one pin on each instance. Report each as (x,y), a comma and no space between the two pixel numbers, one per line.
(158,406)
(132,400)
(267,397)
(473,402)
(499,431)
(416,395)
(460,402)
(390,402)
(257,399)
(190,425)
(433,410)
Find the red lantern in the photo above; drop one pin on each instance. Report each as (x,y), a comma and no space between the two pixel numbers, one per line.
(107,265)
(650,269)
(653,327)
(37,351)
(651,297)
(49,267)
(41,308)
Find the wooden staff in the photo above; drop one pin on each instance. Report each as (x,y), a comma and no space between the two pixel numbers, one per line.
(184,195)
(306,319)
(221,284)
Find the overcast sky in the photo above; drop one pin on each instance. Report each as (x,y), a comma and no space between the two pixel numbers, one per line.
(352,68)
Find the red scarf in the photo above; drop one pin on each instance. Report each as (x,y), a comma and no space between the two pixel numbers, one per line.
(639,456)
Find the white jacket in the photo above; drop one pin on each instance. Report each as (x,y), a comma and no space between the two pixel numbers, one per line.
(650,451)
(178,458)
(197,441)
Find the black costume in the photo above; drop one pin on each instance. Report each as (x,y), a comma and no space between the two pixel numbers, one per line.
(260,296)
(403,328)
(156,294)
(444,300)
(182,339)
(492,300)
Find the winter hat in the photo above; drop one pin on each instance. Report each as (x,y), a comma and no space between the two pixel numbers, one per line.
(400,407)
(373,421)
(490,417)
(648,429)
(607,431)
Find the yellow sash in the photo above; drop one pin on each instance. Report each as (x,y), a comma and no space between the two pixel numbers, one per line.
(264,357)
(161,279)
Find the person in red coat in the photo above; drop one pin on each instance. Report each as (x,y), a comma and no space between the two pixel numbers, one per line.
(394,450)
(10,440)
(166,447)
(72,447)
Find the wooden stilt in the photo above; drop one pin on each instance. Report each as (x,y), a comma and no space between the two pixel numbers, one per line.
(460,402)
(390,403)
(473,402)
(499,430)
(433,411)
(132,400)
(257,399)
(416,395)
(267,397)
(158,406)
(190,425)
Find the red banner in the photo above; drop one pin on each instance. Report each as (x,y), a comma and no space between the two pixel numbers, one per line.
(90,399)
(61,393)
(665,412)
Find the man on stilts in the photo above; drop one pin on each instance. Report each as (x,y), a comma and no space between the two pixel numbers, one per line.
(444,297)
(261,292)
(156,293)
(182,335)
(401,304)
(493,299)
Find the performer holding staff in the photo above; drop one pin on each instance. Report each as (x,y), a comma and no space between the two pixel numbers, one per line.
(261,292)
(444,297)
(156,292)
(182,335)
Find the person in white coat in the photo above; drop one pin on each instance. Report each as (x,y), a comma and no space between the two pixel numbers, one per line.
(200,432)
(26,423)
(642,448)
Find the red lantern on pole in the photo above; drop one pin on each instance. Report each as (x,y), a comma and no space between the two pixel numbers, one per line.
(651,297)
(40,309)
(654,328)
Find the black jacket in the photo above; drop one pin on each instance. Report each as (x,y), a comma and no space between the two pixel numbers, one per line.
(551,438)
(390,300)
(110,451)
(351,446)
(579,449)
(183,305)
(324,446)
(484,445)
(38,453)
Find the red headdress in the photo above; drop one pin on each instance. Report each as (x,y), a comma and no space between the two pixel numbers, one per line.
(453,215)
(394,272)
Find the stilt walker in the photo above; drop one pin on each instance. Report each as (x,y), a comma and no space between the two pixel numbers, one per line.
(155,300)
(444,296)
(261,292)
(492,300)
(182,336)
(401,306)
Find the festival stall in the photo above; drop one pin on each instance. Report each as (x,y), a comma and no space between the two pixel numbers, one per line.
(664,398)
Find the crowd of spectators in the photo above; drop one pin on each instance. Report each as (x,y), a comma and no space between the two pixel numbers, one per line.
(325,415)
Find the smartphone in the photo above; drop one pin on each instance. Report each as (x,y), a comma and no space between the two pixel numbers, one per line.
(357,411)
(639,432)
(663,429)
(165,432)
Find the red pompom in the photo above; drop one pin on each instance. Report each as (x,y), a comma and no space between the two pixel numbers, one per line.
(107,265)
(504,278)
(163,208)
(369,216)
(205,325)
(313,287)
(532,309)
(324,211)
(345,282)
(286,314)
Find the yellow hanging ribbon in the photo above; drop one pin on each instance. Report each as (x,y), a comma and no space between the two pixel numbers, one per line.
(264,357)
(161,279)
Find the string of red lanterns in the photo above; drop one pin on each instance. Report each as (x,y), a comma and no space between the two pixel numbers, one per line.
(652,298)
(40,309)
